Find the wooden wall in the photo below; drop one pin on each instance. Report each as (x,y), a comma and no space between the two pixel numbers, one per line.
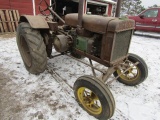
(10,11)
(23,6)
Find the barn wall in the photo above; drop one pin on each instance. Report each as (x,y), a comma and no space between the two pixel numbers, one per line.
(110,10)
(24,6)
(4,4)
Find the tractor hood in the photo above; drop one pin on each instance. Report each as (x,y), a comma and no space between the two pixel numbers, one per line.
(100,24)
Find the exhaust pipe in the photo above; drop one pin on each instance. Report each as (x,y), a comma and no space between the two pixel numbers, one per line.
(80,13)
(118,9)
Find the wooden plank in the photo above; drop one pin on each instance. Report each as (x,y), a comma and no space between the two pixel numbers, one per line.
(14,15)
(15,18)
(9,21)
(3,21)
(13,26)
(17,13)
(1,27)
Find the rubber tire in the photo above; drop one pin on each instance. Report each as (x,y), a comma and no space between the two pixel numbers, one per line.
(101,90)
(141,66)
(29,39)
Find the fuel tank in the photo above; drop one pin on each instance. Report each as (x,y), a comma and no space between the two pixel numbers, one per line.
(100,24)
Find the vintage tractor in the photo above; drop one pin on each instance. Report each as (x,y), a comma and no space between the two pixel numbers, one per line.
(105,40)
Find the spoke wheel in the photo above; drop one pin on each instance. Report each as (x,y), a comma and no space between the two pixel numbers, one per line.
(89,100)
(131,74)
(94,97)
(136,74)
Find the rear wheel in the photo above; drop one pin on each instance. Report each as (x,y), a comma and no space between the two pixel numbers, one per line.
(31,48)
(136,74)
(94,97)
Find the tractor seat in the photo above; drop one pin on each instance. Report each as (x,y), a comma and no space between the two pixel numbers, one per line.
(93,23)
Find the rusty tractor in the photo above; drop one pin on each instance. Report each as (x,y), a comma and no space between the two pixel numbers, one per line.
(105,40)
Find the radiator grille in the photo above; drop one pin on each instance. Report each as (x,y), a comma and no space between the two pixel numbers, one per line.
(121,44)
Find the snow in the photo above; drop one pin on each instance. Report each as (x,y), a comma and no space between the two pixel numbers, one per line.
(50,96)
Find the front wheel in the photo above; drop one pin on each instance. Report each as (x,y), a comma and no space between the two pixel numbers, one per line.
(94,97)
(134,76)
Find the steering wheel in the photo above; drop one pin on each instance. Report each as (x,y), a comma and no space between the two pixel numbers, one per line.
(44,11)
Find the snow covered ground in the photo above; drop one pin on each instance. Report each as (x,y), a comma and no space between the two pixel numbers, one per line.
(24,96)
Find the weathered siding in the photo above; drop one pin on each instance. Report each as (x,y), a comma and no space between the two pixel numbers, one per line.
(110,10)
(4,4)
(23,6)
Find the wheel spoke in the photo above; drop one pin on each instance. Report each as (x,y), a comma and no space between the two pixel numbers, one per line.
(93,104)
(134,74)
(129,77)
(87,93)
(96,106)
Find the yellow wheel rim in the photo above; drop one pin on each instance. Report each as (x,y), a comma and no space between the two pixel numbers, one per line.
(89,100)
(131,74)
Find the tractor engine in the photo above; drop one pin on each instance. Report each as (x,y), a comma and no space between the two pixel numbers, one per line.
(104,39)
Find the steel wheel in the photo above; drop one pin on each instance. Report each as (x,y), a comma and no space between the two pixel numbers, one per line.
(89,100)
(136,74)
(131,74)
(94,97)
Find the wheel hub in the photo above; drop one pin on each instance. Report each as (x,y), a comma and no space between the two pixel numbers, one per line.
(89,100)
(131,74)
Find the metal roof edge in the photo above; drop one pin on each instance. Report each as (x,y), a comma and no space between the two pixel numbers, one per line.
(107,1)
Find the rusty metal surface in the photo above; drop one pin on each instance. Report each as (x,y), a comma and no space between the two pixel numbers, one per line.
(37,22)
(80,12)
(106,47)
(121,44)
(71,20)
(61,43)
(85,33)
(100,24)
(94,73)
(118,25)
(54,13)
(118,9)
(108,73)
(135,64)
(53,26)
(92,23)
(115,46)
(96,23)
(103,62)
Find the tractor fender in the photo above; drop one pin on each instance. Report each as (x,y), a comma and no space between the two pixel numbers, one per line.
(36,22)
